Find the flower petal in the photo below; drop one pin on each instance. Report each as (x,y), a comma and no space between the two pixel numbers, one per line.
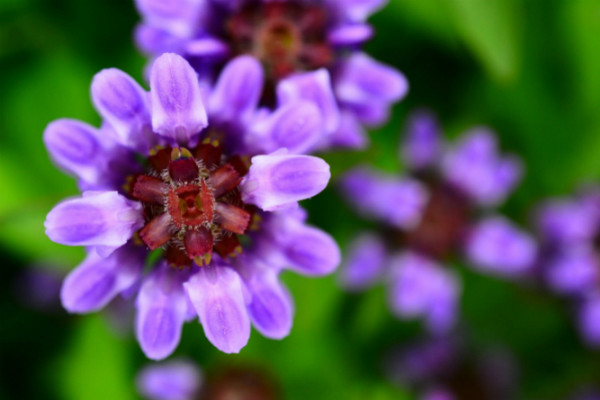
(177,379)
(316,88)
(178,112)
(566,221)
(350,133)
(270,308)
(75,147)
(217,295)
(574,270)
(124,105)
(363,80)
(278,180)
(358,10)
(161,311)
(589,319)
(296,126)
(422,146)
(177,16)
(349,35)
(96,219)
(238,90)
(498,246)
(97,280)
(398,202)
(364,264)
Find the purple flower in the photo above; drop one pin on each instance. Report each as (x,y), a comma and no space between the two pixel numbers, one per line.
(161,176)
(170,380)
(569,260)
(430,217)
(308,50)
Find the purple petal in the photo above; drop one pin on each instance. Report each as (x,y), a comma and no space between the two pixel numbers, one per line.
(567,221)
(206,47)
(161,311)
(358,10)
(364,264)
(96,219)
(278,180)
(270,309)
(422,288)
(589,320)
(498,246)
(398,202)
(422,146)
(75,147)
(349,35)
(350,133)
(574,270)
(238,90)
(217,295)
(178,112)
(97,280)
(314,87)
(124,105)
(177,16)
(296,126)
(152,40)
(308,250)
(363,80)
(475,167)
(172,380)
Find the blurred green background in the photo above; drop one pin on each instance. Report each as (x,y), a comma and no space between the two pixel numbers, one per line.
(528,68)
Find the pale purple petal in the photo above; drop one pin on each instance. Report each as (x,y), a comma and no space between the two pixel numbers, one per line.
(161,311)
(475,167)
(177,16)
(308,250)
(350,133)
(358,10)
(270,308)
(397,202)
(178,112)
(96,219)
(217,295)
(349,35)
(97,280)
(314,87)
(76,148)
(573,270)
(364,264)
(498,246)
(568,221)
(422,288)
(206,47)
(178,379)
(238,90)
(152,40)
(278,180)
(589,319)
(296,126)
(422,145)
(124,105)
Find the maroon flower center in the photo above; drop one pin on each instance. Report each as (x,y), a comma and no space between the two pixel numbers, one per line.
(286,37)
(192,204)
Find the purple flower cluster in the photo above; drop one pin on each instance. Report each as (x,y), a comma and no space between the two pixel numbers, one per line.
(308,50)
(569,260)
(172,171)
(438,212)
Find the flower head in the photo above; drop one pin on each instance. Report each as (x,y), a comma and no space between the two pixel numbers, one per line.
(307,50)
(432,216)
(160,176)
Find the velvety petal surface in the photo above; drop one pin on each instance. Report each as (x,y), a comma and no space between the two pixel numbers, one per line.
(96,219)
(216,292)
(178,379)
(178,112)
(278,180)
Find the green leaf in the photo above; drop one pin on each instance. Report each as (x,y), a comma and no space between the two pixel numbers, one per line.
(492,31)
(95,367)
(430,16)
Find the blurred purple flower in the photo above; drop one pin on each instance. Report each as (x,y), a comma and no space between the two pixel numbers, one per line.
(159,176)
(569,262)
(309,50)
(429,217)
(38,287)
(170,380)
